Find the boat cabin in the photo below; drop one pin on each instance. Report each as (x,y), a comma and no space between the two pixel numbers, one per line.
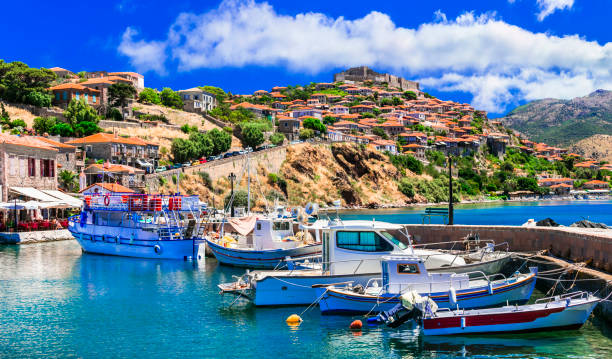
(270,233)
(401,273)
(357,246)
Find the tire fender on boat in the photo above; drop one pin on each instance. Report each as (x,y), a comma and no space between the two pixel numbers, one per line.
(490,288)
(158,249)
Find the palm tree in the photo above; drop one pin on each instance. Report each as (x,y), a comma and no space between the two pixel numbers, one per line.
(68,180)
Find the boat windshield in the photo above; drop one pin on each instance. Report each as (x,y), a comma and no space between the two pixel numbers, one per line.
(394,240)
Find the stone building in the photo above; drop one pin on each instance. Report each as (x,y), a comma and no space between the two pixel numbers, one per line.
(66,156)
(64,93)
(136,79)
(197,100)
(26,162)
(362,74)
(115,149)
(127,176)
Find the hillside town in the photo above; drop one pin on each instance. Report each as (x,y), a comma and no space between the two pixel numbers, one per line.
(73,144)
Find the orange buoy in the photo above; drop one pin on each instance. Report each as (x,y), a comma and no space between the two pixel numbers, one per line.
(356,325)
(293,319)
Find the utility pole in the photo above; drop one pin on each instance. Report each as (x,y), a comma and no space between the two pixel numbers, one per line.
(232,178)
(451,210)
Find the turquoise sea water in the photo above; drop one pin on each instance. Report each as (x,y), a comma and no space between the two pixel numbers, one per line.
(57,302)
(499,213)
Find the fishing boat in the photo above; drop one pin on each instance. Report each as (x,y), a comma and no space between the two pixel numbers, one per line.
(568,311)
(138,225)
(273,241)
(407,273)
(351,251)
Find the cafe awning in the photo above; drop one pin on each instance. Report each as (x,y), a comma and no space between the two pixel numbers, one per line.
(66,198)
(33,193)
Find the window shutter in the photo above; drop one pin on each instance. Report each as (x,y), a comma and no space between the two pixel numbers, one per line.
(42,168)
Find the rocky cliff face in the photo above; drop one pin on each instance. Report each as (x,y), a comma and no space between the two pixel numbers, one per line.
(564,122)
(353,174)
(598,147)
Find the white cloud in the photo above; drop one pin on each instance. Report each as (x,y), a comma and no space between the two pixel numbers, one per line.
(144,55)
(547,7)
(496,62)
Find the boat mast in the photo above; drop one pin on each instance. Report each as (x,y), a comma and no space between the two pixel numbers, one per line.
(248,185)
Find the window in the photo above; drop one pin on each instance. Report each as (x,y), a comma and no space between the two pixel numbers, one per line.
(394,240)
(22,167)
(409,268)
(57,96)
(362,241)
(31,167)
(259,226)
(67,157)
(86,97)
(65,95)
(281,226)
(93,98)
(77,95)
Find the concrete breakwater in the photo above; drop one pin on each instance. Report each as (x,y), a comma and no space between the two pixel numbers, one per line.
(35,236)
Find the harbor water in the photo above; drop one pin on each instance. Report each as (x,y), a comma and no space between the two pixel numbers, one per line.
(56,301)
(498,213)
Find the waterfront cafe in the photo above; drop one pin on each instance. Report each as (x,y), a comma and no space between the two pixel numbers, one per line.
(31,209)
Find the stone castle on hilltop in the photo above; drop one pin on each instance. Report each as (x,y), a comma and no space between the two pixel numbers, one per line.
(364,73)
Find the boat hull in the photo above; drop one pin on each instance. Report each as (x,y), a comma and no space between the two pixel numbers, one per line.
(552,318)
(138,248)
(265,259)
(342,301)
(297,290)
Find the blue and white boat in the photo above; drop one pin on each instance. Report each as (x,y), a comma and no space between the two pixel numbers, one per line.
(272,242)
(139,225)
(352,251)
(407,273)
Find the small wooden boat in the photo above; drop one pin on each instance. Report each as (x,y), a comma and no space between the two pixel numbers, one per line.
(568,311)
(273,242)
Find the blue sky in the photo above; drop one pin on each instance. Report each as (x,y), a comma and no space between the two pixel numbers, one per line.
(495,54)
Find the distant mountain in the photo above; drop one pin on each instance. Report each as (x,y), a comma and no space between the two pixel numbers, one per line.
(563,122)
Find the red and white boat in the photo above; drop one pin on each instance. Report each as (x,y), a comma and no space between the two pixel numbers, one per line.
(568,311)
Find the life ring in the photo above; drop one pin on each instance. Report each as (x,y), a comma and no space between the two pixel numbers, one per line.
(107,200)
(158,249)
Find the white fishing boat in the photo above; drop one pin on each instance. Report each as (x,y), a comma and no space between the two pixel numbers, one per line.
(272,242)
(407,273)
(564,312)
(352,251)
(138,225)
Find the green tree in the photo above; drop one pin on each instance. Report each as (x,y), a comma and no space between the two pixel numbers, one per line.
(378,131)
(314,124)
(396,101)
(252,135)
(120,93)
(277,138)
(4,116)
(68,180)
(409,95)
(171,98)
(18,123)
(222,141)
(62,129)
(203,144)
(329,120)
(43,125)
(240,199)
(217,91)
(79,111)
(306,133)
(406,188)
(114,113)
(149,95)
(37,98)
(18,81)
(86,128)
(183,150)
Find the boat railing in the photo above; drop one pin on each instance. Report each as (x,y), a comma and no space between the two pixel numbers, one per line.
(452,243)
(358,261)
(572,295)
(405,287)
(481,274)
(141,202)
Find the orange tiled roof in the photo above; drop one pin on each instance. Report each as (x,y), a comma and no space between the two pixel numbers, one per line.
(126,73)
(109,138)
(72,86)
(53,143)
(26,141)
(112,187)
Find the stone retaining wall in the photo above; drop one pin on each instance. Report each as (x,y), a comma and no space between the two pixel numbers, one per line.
(593,246)
(35,237)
